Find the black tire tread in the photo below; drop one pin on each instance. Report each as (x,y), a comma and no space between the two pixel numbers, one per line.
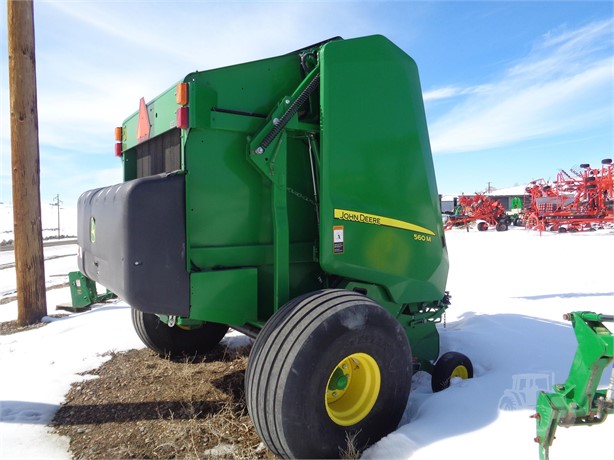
(173,341)
(277,346)
(444,366)
(279,330)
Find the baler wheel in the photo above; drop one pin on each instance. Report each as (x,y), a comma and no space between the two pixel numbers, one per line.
(175,341)
(482,226)
(449,365)
(333,361)
(501,227)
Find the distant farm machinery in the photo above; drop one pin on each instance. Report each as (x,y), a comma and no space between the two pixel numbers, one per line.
(487,212)
(578,201)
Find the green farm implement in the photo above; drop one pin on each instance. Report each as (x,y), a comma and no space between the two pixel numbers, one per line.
(84,293)
(577,401)
(292,199)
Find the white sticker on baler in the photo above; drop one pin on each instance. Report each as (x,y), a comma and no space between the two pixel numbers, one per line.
(338,239)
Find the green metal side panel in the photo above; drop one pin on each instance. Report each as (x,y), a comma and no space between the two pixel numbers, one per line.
(224,296)
(229,202)
(376,163)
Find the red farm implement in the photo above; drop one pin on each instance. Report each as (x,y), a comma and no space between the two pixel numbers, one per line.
(578,200)
(479,208)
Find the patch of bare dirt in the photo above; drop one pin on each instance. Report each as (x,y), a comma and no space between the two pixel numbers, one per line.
(12,327)
(142,406)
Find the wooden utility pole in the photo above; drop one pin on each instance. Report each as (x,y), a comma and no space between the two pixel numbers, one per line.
(28,234)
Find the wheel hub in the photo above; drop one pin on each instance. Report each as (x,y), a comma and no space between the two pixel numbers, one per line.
(352,389)
(460,371)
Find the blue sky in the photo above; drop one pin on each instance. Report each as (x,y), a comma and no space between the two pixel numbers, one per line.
(514,91)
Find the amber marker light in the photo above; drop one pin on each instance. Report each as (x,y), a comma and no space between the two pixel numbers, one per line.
(182,94)
(118,141)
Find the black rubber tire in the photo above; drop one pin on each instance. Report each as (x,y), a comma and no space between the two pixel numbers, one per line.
(501,227)
(174,341)
(573,230)
(562,230)
(292,360)
(482,226)
(590,179)
(606,161)
(445,366)
(585,165)
(518,222)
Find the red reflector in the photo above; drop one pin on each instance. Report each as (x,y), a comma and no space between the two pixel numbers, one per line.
(118,149)
(182,118)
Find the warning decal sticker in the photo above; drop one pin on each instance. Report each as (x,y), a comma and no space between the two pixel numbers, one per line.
(338,239)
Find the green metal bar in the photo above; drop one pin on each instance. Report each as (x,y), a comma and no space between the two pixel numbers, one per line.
(268,151)
(281,266)
(252,255)
(577,401)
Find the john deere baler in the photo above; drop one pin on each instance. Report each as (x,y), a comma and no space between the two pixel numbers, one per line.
(293,199)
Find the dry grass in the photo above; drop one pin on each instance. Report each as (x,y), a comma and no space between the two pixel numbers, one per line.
(138,405)
(351,450)
(142,406)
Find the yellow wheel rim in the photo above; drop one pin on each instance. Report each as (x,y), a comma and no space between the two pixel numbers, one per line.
(460,371)
(352,389)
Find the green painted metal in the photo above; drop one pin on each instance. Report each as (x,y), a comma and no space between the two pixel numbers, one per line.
(577,401)
(83,292)
(284,154)
(225,296)
(376,161)
(419,320)
(338,381)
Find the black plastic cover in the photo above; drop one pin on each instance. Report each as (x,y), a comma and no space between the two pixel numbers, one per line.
(132,241)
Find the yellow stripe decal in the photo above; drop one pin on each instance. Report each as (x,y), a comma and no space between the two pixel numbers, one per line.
(354,216)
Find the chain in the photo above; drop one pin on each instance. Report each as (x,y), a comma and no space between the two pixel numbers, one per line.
(301,196)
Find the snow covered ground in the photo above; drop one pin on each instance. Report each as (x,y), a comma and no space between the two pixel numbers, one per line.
(509,292)
(59,260)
